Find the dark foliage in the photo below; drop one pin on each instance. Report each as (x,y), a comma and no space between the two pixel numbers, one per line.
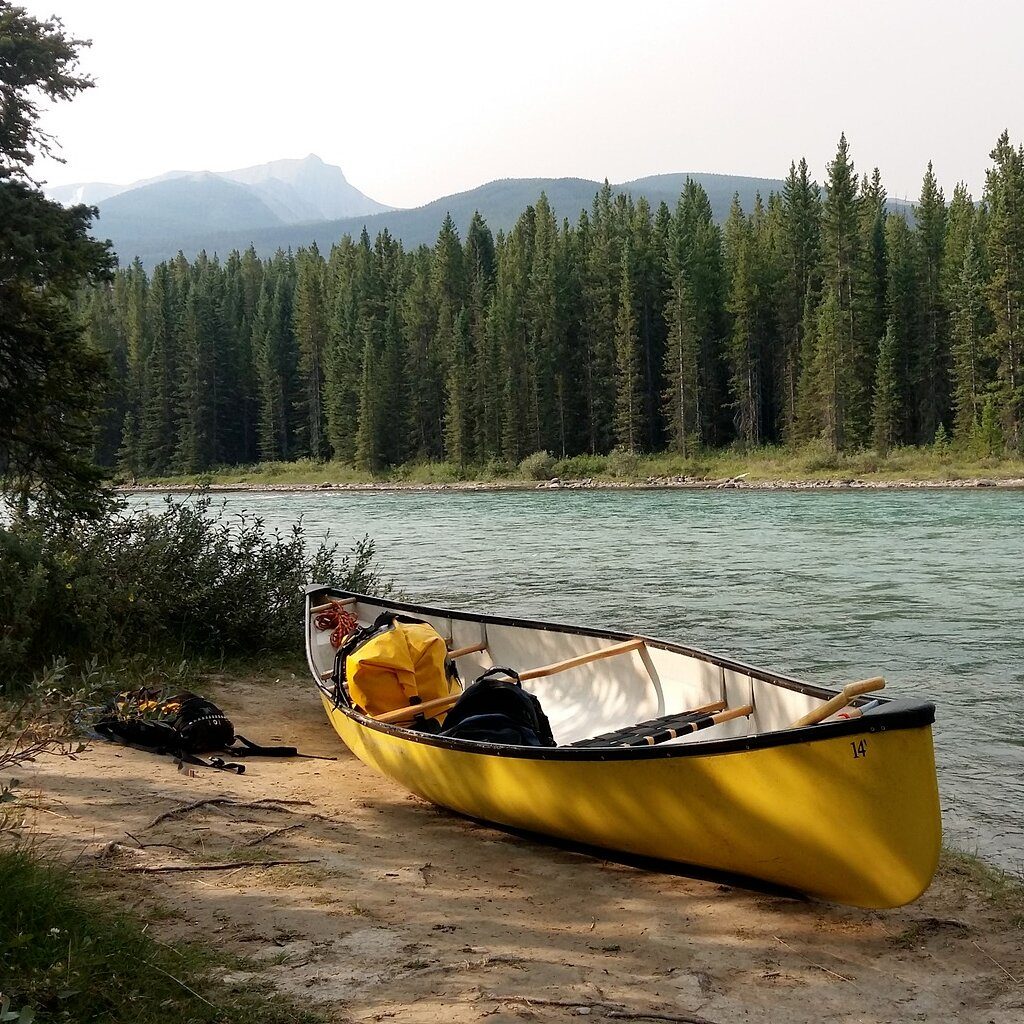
(188,582)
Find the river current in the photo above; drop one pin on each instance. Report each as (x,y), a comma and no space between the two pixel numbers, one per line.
(923,587)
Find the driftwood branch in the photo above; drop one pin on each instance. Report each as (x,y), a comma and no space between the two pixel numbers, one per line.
(267,803)
(229,866)
(275,832)
(614,1011)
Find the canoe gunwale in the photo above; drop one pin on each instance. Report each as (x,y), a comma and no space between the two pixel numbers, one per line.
(789,682)
(891,715)
(910,715)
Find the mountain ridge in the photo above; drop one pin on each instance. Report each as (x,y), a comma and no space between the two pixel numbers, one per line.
(280,205)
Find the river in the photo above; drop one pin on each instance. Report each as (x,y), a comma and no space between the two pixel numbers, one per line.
(924,588)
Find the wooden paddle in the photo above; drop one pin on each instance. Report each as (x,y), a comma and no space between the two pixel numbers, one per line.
(839,701)
(431,708)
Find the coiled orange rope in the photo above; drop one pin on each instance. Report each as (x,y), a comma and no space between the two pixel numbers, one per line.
(342,623)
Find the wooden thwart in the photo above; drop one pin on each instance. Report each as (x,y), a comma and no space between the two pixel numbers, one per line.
(431,708)
(839,701)
(461,652)
(340,603)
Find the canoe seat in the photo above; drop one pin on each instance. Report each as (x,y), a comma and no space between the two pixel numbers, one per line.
(637,732)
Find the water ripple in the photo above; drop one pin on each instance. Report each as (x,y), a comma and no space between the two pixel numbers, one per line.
(923,587)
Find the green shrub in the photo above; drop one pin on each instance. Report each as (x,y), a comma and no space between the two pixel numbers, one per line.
(817,455)
(186,582)
(538,466)
(623,463)
(497,469)
(579,467)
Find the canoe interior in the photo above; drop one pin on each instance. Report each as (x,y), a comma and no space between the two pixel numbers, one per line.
(602,696)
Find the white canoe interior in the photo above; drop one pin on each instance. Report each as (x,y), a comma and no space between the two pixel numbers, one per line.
(613,693)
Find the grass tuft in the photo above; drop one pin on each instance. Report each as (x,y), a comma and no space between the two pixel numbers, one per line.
(70,959)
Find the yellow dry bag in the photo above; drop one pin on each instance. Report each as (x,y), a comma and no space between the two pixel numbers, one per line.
(400,660)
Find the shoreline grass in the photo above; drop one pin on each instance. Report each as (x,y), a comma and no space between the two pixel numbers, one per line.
(768,465)
(69,957)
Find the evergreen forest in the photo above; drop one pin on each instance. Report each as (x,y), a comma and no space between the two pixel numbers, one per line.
(822,314)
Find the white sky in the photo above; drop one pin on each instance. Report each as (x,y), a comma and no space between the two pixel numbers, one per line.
(420,99)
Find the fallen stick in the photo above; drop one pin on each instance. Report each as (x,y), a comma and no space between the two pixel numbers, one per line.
(677,1018)
(807,959)
(997,963)
(275,832)
(615,1011)
(231,865)
(191,991)
(214,800)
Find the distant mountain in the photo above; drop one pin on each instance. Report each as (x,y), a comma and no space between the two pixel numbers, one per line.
(293,203)
(306,190)
(499,202)
(155,212)
(197,203)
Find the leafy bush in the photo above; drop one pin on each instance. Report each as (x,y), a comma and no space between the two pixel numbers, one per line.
(186,582)
(817,455)
(579,467)
(623,463)
(538,466)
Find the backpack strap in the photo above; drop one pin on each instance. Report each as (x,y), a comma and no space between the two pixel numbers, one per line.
(183,757)
(500,674)
(250,749)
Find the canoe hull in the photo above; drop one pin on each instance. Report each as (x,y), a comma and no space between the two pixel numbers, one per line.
(852,819)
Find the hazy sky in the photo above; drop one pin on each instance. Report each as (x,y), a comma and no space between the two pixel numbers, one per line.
(416,100)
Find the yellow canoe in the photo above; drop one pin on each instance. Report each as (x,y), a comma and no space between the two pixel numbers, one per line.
(846,810)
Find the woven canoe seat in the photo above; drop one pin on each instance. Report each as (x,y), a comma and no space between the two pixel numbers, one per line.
(640,730)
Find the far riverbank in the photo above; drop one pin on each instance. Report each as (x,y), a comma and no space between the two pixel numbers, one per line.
(775,469)
(556,484)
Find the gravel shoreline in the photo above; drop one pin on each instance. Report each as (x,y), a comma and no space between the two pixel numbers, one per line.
(587,484)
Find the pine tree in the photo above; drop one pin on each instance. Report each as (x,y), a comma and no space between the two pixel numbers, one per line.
(843,361)
(1004,192)
(629,391)
(801,248)
(681,399)
(885,414)
(968,306)
(157,440)
(419,318)
(931,367)
(601,294)
(457,427)
(742,348)
(872,269)
(311,335)
(695,247)
(371,406)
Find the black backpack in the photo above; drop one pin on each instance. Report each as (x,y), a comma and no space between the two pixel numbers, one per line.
(496,709)
(183,726)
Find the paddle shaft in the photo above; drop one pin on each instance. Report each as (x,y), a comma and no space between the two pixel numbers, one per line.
(705,722)
(581,659)
(431,708)
(839,701)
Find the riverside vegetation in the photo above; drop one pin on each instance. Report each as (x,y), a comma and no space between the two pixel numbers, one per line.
(825,316)
(92,598)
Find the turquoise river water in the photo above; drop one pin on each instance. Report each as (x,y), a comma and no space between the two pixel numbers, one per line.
(924,588)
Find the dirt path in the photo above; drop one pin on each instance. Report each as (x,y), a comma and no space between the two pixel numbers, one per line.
(414,915)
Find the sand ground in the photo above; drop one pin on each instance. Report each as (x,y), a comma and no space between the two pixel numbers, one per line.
(410,914)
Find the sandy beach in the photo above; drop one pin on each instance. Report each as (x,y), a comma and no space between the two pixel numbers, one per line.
(399,911)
